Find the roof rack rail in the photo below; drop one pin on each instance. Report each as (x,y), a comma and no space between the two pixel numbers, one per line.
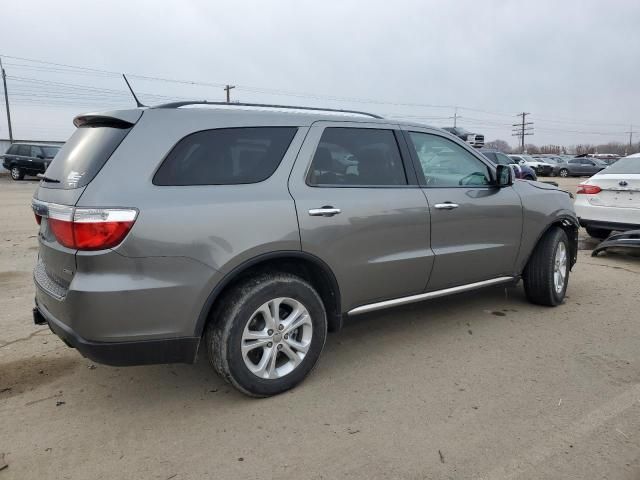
(264,105)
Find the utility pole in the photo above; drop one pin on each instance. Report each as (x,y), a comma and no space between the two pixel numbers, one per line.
(228,90)
(6,101)
(522,129)
(630,132)
(455,118)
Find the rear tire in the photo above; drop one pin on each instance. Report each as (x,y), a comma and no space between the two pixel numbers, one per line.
(599,233)
(16,173)
(544,270)
(254,323)
(563,172)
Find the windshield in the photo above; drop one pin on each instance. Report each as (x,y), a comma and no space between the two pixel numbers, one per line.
(624,165)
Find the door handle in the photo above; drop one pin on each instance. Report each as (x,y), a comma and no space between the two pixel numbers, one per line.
(446,206)
(324,212)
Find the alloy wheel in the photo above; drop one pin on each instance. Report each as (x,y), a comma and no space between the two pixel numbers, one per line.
(560,267)
(276,338)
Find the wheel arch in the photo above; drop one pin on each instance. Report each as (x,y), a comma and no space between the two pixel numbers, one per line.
(308,266)
(570,226)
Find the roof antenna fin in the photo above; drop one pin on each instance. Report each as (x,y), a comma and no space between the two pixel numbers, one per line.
(132,93)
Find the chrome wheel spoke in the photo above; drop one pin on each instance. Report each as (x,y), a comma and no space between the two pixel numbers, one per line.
(252,345)
(293,356)
(295,323)
(297,346)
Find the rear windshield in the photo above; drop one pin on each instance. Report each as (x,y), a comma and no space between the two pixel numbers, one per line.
(225,156)
(82,157)
(624,165)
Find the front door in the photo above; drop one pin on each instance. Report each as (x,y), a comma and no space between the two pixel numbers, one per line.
(361,211)
(475,227)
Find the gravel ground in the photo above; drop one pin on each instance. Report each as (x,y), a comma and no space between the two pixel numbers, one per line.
(479,386)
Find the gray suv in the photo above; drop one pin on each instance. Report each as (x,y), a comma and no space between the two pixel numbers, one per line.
(250,232)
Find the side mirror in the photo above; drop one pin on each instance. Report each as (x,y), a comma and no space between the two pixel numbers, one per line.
(504,176)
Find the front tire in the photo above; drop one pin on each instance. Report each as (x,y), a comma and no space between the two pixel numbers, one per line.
(546,275)
(599,233)
(16,173)
(266,335)
(563,172)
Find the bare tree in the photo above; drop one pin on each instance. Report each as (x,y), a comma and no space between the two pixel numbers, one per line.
(499,145)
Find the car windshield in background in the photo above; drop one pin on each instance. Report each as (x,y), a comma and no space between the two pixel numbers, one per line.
(624,165)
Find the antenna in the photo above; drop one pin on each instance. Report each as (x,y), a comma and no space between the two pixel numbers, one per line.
(132,93)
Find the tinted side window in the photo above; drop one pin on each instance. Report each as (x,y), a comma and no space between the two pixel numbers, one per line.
(24,150)
(225,156)
(446,164)
(357,157)
(576,161)
(35,151)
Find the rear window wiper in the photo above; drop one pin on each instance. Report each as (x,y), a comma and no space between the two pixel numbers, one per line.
(50,180)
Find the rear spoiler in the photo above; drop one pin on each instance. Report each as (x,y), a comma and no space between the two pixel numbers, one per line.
(114,119)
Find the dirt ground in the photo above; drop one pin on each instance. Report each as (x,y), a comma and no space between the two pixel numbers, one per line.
(479,386)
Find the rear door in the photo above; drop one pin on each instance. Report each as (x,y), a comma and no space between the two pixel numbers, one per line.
(575,166)
(37,158)
(475,227)
(361,211)
(23,157)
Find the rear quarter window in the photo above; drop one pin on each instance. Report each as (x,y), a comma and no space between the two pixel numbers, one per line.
(227,156)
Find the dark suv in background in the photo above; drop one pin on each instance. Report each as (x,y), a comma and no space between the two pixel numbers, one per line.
(28,159)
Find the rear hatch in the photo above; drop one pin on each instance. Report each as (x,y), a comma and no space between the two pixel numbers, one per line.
(619,191)
(73,168)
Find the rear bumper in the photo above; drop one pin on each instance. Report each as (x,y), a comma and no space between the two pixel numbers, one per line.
(608,218)
(606,225)
(175,350)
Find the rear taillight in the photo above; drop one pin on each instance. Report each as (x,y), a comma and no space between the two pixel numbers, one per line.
(90,228)
(585,189)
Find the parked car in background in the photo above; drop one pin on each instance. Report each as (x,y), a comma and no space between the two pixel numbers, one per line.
(541,168)
(579,167)
(473,139)
(610,200)
(522,170)
(165,266)
(28,159)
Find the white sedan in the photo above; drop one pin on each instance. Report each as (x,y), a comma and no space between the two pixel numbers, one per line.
(610,200)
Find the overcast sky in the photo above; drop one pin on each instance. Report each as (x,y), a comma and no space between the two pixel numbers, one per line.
(575,65)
